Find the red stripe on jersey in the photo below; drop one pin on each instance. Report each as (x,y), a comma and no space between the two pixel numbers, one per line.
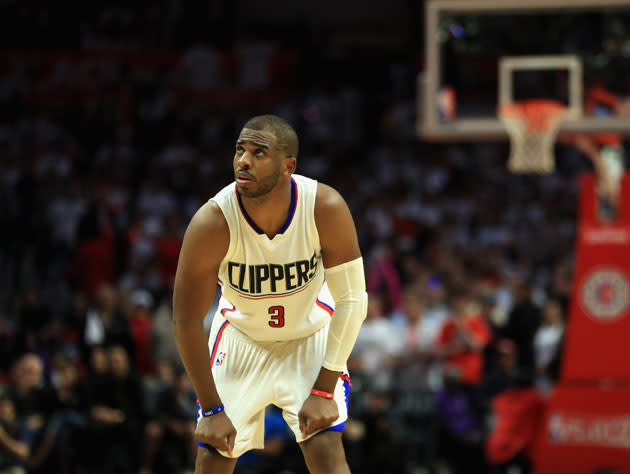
(324,306)
(217,340)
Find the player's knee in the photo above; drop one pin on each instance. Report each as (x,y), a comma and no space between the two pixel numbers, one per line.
(324,453)
(209,461)
(203,462)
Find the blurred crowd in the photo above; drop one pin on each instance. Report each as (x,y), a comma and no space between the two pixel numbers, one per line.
(106,154)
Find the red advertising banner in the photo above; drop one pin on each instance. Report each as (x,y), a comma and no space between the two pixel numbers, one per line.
(586,427)
(598,328)
(586,431)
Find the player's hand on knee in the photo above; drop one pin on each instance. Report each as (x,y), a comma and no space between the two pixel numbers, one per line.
(317,413)
(217,431)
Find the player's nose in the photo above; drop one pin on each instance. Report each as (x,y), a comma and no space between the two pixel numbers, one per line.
(245,160)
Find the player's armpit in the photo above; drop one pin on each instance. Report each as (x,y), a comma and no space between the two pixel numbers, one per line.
(205,243)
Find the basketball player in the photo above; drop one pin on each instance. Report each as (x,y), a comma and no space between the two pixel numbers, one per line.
(270,239)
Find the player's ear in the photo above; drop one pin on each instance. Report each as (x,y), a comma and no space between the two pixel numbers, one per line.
(290,164)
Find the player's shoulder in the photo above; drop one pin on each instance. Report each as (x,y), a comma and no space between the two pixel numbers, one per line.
(328,198)
(226,194)
(209,219)
(207,239)
(330,208)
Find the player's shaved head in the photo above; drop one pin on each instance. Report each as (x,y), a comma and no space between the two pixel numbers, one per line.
(287,139)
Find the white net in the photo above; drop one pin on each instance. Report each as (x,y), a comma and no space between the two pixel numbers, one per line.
(532,127)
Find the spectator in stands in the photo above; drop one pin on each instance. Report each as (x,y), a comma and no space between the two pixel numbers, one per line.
(73,326)
(94,260)
(32,396)
(417,376)
(516,410)
(33,315)
(65,431)
(462,339)
(380,445)
(153,429)
(168,245)
(522,322)
(461,425)
(7,344)
(97,374)
(155,200)
(15,439)
(64,213)
(436,308)
(169,442)
(30,393)
(141,324)
(382,275)
(415,363)
(504,373)
(105,323)
(561,282)
(377,345)
(547,345)
(460,409)
(116,413)
(164,347)
(127,398)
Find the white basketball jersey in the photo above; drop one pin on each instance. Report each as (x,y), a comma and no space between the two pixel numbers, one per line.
(273,289)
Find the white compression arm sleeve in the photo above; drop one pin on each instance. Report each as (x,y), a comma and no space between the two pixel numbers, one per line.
(346,283)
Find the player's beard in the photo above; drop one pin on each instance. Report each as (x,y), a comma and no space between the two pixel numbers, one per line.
(264,186)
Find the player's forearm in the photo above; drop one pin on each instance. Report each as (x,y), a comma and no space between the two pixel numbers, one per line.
(193,350)
(326,380)
(347,287)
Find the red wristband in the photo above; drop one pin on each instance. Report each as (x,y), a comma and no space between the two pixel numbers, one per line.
(320,393)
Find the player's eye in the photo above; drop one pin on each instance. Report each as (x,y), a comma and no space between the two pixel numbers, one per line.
(259,152)
(239,148)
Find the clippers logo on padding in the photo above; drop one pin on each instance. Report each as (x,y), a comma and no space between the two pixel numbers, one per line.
(605,294)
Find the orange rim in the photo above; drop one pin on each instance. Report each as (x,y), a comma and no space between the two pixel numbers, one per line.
(538,115)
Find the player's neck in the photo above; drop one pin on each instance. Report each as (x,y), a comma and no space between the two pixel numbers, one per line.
(270,211)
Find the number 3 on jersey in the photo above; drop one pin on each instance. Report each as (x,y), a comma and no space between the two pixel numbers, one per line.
(277,316)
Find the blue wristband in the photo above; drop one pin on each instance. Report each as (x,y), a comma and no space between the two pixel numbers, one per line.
(213,411)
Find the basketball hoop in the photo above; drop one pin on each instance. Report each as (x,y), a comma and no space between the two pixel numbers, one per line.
(532,126)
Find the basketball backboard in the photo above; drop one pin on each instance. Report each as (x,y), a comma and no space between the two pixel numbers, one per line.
(481,52)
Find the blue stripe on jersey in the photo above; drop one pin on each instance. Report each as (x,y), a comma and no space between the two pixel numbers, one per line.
(249,220)
(292,208)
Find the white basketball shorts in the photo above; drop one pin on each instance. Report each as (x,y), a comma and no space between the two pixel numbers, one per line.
(250,375)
